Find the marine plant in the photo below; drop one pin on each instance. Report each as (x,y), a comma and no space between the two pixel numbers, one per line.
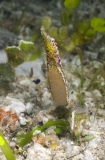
(7,118)
(26,51)
(24,139)
(6,148)
(74,32)
(7,75)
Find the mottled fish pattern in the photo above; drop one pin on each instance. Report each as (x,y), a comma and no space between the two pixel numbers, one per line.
(56,78)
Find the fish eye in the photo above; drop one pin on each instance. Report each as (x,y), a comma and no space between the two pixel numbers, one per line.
(52,40)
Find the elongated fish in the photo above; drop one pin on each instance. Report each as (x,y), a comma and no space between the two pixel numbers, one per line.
(56,78)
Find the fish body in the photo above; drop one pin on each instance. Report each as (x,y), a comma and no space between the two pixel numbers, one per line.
(56,78)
